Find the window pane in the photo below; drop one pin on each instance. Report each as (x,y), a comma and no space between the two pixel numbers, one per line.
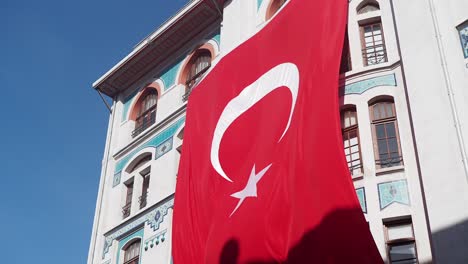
(403,254)
(392,145)
(400,231)
(382,145)
(390,128)
(380,131)
(376,111)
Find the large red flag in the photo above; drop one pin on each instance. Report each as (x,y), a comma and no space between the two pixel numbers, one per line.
(262,178)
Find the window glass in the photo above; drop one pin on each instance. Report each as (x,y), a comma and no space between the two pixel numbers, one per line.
(132,253)
(351,141)
(373,44)
(404,230)
(403,254)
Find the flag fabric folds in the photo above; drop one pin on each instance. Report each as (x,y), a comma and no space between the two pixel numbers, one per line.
(263,178)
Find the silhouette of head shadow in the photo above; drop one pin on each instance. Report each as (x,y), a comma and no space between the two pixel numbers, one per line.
(342,237)
(230,252)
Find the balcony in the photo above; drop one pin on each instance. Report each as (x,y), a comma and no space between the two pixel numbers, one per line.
(126,210)
(374,55)
(192,82)
(144,121)
(389,162)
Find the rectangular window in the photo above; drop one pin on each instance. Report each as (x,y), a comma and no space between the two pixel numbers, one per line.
(128,200)
(463,32)
(401,245)
(350,132)
(386,139)
(144,191)
(352,152)
(373,44)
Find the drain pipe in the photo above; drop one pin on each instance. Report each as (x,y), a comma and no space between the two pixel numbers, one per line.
(448,85)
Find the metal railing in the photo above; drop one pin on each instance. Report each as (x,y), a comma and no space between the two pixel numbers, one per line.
(373,55)
(192,82)
(144,121)
(389,162)
(355,169)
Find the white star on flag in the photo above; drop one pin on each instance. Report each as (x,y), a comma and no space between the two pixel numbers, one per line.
(250,189)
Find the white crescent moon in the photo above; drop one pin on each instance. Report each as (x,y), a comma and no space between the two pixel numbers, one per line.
(285,74)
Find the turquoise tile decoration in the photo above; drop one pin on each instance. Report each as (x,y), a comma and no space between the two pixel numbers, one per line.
(259,3)
(153,142)
(217,37)
(364,85)
(153,217)
(463,32)
(116,180)
(169,76)
(361,194)
(127,102)
(393,192)
(163,148)
(136,234)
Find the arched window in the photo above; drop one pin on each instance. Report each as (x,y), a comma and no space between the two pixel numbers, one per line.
(386,139)
(368,6)
(350,132)
(373,43)
(140,162)
(132,253)
(198,65)
(146,113)
(275,5)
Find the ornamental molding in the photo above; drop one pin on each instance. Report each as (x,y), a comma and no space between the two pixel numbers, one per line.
(362,86)
(162,142)
(393,192)
(154,216)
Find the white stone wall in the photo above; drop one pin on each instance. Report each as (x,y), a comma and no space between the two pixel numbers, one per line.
(444,181)
(435,71)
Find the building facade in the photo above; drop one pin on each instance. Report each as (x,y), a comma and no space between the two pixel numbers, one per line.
(404,110)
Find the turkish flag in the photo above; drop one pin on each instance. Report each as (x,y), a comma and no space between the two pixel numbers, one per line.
(262,177)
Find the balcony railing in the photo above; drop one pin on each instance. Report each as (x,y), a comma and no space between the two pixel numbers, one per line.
(389,162)
(126,210)
(373,55)
(144,121)
(355,169)
(192,82)
(143,200)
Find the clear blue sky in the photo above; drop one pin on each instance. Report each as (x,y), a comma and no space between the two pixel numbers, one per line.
(53,125)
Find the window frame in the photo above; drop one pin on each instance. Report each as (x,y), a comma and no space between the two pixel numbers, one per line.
(347,130)
(134,259)
(129,191)
(365,56)
(191,80)
(273,7)
(148,115)
(143,199)
(401,241)
(375,139)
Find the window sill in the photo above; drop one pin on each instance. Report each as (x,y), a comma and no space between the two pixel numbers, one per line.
(389,170)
